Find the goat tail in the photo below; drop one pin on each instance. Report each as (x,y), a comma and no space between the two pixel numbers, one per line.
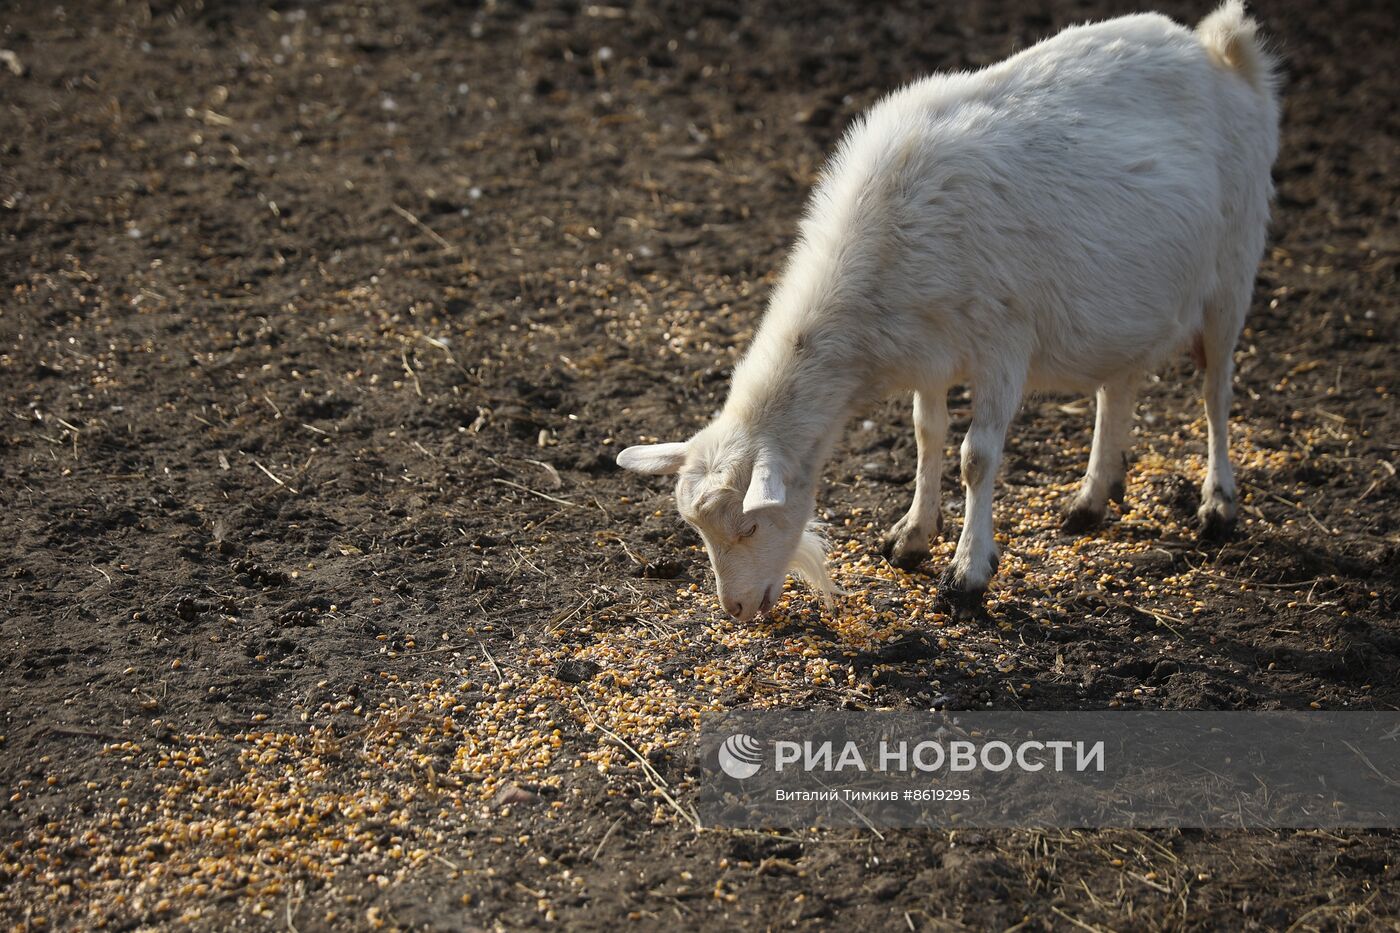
(1231,39)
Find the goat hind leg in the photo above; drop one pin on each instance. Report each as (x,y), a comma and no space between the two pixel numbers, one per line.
(1216,515)
(994,404)
(906,544)
(1108,461)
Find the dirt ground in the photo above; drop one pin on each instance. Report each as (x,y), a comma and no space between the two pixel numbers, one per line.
(324,605)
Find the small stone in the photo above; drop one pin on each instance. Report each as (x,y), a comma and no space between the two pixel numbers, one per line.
(513,794)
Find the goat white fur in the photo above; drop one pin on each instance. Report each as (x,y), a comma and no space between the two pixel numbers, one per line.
(1063,220)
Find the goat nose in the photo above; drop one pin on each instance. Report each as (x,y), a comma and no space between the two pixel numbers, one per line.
(734,607)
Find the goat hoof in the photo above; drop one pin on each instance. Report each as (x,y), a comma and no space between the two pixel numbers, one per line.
(1216,517)
(905,558)
(898,549)
(908,561)
(963,602)
(1216,522)
(1081,518)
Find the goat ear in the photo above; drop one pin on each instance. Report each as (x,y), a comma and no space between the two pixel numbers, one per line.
(766,488)
(653,459)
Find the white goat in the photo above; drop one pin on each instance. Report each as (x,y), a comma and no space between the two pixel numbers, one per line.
(1063,220)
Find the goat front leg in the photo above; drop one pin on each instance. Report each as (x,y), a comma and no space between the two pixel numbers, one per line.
(964,583)
(906,544)
(1108,460)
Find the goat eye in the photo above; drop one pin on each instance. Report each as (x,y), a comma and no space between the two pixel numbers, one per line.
(748,532)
